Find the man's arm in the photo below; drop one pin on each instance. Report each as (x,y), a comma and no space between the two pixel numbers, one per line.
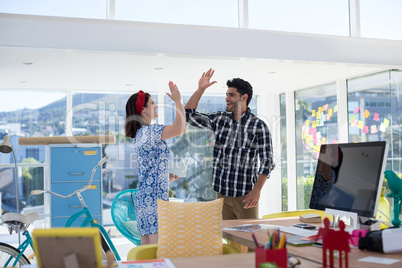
(266,165)
(203,84)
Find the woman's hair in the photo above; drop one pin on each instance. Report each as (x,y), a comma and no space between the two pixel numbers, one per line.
(133,120)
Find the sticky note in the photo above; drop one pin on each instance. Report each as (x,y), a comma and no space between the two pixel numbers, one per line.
(325,107)
(303,135)
(328,117)
(313,124)
(374,129)
(319,110)
(360,124)
(356,110)
(330,112)
(316,148)
(308,139)
(365,129)
(335,108)
(323,140)
(376,117)
(317,123)
(386,122)
(382,127)
(307,122)
(307,146)
(313,113)
(334,141)
(311,144)
(352,118)
(318,115)
(366,114)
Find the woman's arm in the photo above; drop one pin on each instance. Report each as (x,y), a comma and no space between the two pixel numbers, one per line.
(179,125)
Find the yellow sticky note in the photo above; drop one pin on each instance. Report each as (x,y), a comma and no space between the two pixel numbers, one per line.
(386,122)
(307,122)
(308,139)
(330,112)
(352,118)
(318,115)
(324,140)
(313,113)
(313,124)
(316,148)
(319,110)
(360,124)
(335,108)
(303,135)
(366,114)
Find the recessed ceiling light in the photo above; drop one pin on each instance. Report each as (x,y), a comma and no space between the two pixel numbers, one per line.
(271,73)
(27,63)
(158,68)
(129,85)
(23,82)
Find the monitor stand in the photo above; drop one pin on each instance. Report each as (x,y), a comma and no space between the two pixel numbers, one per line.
(350,218)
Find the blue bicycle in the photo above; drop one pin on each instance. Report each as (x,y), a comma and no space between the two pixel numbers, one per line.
(9,255)
(107,243)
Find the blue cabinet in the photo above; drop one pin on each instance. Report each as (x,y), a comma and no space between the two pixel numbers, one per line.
(70,170)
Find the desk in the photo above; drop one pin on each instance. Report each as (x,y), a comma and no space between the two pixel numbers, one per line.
(305,253)
(245,260)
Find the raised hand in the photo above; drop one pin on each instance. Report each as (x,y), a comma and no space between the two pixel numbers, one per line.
(175,94)
(204,81)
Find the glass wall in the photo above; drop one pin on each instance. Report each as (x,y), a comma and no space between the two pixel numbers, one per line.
(27,114)
(381,19)
(91,9)
(284,154)
(311,16)
(316,115)
(222,13)
(195,150)
(375,113)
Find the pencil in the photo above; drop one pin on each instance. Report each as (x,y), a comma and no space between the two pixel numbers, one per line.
(255,241)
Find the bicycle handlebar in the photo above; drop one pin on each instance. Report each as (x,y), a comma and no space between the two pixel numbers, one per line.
(100,163)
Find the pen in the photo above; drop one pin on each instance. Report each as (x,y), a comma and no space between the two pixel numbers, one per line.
(255,240)
(282,242)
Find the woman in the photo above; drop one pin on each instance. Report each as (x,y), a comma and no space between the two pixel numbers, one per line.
(152,154)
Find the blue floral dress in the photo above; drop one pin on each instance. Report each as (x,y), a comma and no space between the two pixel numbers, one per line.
(152,154)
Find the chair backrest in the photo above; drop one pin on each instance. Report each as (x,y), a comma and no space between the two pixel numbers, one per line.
(123,212)
(294,213)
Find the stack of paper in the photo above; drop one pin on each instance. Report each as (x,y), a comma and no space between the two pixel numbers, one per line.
(310,218)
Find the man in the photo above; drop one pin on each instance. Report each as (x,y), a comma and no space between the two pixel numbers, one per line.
(239,137)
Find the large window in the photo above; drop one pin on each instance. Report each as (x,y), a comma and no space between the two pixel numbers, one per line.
(381,19)
(27,114)
(92,9)
(309,16)
(195,150)
(223,13)
(375,113)
(284,154)
(316,112)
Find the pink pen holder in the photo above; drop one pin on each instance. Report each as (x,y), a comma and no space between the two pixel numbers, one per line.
(278,256)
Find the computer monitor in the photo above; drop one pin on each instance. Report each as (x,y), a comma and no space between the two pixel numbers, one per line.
(349,177)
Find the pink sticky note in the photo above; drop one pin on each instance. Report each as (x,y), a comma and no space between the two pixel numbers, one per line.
(374,129)
(356,110)
(334,142)
(376,117)
(365,129)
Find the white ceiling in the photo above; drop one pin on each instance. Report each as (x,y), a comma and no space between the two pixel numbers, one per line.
(86,55)
(119,71)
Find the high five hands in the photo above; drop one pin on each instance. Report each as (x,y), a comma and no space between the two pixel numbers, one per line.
(204,81)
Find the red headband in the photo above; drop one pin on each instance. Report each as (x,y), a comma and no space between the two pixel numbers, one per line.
(139,104)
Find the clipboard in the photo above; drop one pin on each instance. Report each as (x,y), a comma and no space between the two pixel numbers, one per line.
(68,247)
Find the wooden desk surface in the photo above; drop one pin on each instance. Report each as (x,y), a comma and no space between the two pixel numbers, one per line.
(245,260)
(304,253)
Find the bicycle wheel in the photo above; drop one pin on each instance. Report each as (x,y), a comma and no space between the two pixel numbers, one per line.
(8,254)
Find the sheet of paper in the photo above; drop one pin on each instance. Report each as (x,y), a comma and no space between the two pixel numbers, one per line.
(164,263)
(379,260)
(251,227)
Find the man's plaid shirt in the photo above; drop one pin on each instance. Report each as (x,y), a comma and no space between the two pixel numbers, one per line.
(236,147)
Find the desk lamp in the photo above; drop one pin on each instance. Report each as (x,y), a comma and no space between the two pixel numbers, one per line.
(5,147)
